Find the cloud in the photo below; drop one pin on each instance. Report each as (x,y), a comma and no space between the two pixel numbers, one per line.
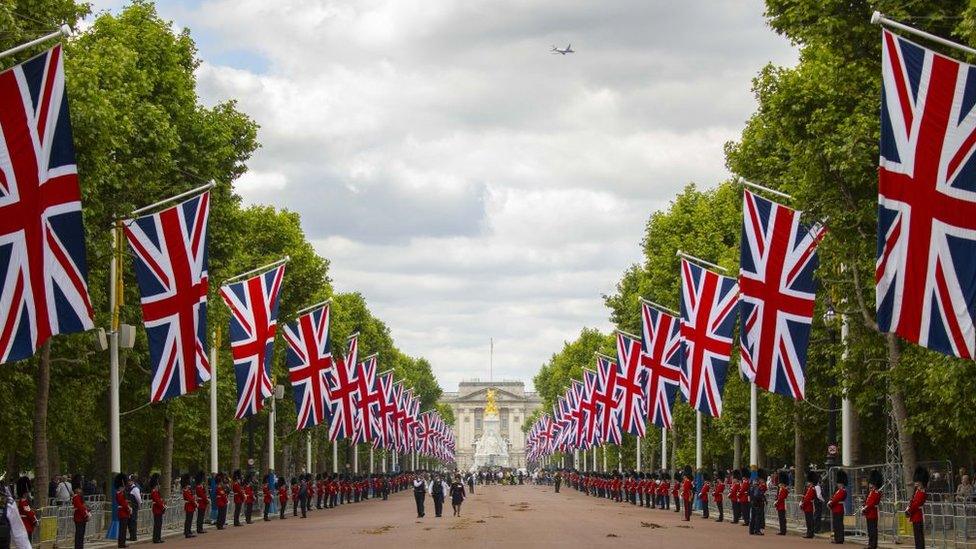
(469,183)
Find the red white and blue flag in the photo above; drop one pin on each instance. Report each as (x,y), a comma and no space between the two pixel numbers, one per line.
(632,385)
(43,286)
(925,273)
(592,433)
(386,411)
(777,292)
(707,320)
(342,381)
(309,357)
(368,427)
(607,398)
(253,305)
(170,249)
(661,357)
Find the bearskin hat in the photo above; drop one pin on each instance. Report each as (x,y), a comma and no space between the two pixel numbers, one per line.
(153,480)
(23,486)
(736,474)
(841,477)
(199,477)
(184,480)
(294,480)
(761,475)
(265,479)
(219,478)
(921,476)
(119,481)
(784,478)
(813,477)
(874,478)
(688,472)
(77,482)
(236,475)
(318,476)
(706,476)
(746,473)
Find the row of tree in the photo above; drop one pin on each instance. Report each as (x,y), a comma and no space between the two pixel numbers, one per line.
(141,135)
(814,135)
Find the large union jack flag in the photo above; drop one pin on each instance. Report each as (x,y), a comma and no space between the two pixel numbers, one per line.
(253,305)
(632,384)
(607,398)
(309,357)
(368,427)
(707,320)
(170,249)
(386,411)
(777,291)
(43,286)
(343,384)
(661,357)
(926,269)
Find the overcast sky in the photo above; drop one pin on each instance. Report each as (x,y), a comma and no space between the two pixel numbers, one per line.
(469,183)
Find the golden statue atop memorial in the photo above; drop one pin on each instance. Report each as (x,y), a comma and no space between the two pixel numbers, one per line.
(491,408)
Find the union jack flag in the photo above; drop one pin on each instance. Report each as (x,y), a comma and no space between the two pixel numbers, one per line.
(707,320)
(926,269)
(607,398)
(385,412)
(399,416)
(593,433)
(44,288)
(632,383)
(170,249)
(778,258)
(577,390)
(253,304)
(368,427)
(343,383)
(309,357)
(661,357)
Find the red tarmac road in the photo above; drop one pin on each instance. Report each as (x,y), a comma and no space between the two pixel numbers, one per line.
(495,516)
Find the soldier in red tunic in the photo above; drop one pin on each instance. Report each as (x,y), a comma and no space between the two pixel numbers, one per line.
(718,493)
(282,497)
(781,494)
(675,490)
(870,508)
(266,496)
(744,504)
(706,490)
(319,490)
(238,491)
(81,512)
(123,512)
(158,508)
(248,497)
(189,505)
(294,496)
(734,488)
(806,505)
(686,492)
(220,500)
(27,514)
(836,505)
(203,500)
(914,512)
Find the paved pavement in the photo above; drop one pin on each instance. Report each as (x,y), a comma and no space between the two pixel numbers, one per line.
(494,517)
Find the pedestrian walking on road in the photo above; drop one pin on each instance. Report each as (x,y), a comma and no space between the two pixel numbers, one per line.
(457,495)
(438,491)
(419,494)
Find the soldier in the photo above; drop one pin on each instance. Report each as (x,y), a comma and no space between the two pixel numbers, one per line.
(294,496)
(744,503)
(781,495)
(238,496)
(718,493)
(220,500)
(675,490)
(914,510)
(836,504)
(807,504)
(734,488)
(248,497)
(870,508)
(81,512)
(203,500)
(686,492)
(266,497)
(319,490)
(158,508)
(189,505)
(134,495)
(282,498)
(123,512)
(303,494)
(662,489)
(706,490)
(334,491)
(757,504)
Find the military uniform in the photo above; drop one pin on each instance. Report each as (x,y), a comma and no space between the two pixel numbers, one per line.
(781,495)
(836,505)
(220,500)
(914,511)
(870,508)
(123,511)
(158,508)
(238,491)
(189,505)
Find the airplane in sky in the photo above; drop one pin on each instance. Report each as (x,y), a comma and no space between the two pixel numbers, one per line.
(569,49)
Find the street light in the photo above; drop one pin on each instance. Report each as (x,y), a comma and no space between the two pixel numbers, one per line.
(829,316)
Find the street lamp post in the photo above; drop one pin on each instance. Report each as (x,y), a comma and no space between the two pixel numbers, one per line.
(828,317)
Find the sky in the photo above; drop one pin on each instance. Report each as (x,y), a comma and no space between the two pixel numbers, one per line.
(467,181)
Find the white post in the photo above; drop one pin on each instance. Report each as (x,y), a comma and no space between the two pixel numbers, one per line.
(308,452)
(385,455)
(335,457)
(846,444)
(213,405)
(620,460)
(698,440)
(371,459)
(639,440)
(664,448)
(271,444)
(604,457)
(355,458)
(753,425)
(113,358)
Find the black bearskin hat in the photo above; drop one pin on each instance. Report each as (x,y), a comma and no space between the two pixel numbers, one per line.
(119,481)
(874,478)
(184,480)
(736,474)
(761,475)
(199,477)
(784,478)
(813,477)
(77,482)
(746,473)
(294,480)
(265,479)
(318,476)
(688,472)
(841,477)
(219,478)
(153,481)
(23,486)
(706,477)
(921,476)
(236,475)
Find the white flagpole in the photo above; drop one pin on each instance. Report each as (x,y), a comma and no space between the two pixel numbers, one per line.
(846,455)
(371,459)
(190,192)
(213,403)
(753,425)
(878,18)
(639,440)
(113,352)
(335,457)
(355,458)
(64,30)
(308,452)
(698,440)
(664,448)
(271,444)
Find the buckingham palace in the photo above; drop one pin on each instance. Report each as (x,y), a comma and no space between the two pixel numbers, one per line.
(468,404)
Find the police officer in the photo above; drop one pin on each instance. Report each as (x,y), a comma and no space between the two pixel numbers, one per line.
(419,493)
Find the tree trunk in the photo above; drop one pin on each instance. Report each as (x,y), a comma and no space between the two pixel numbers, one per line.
(42,388)
(235,446)
(323,459)
(54,458)
(737,452)
(906,441)
(855,429)
(166,475)
(799,452)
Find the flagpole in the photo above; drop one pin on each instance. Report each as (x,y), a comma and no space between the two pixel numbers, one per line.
(698,439)
(262,268)
(696,259)
(308,451)
(335,457)
(65,30)
(213,402)
(846,456)
(664,448)
(310,307)
(659,307)
(271,443)
(190,192)
(753,425)
(639,439)
(113,351)
(355,458)
(758,187)
(878,18)
(371,459)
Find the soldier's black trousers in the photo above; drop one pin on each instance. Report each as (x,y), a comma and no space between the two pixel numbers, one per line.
(123,527)
(281,509)
(687,510)
(754,520)
(201,511)
(782,521)
(132,525)
(419,497)
(294,507)
(79,536)
(872,534)
(157,528)
(221,517)
(248,510)
(304,504)
(267,509)
(818,511)
(704,505)
(918,531)
(808,517)
(721,512)
(837,524)
(188,524)
(237,514)
(735,512)
(677,505)
(744,507)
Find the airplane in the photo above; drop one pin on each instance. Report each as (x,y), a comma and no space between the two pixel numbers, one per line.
(569,49)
